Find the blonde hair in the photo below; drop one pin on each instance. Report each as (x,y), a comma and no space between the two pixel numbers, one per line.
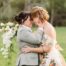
(41,12)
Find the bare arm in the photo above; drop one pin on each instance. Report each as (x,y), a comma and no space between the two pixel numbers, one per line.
(41,49)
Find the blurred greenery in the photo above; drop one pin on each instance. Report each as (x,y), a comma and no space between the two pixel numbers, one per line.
(61,38)
(56,9)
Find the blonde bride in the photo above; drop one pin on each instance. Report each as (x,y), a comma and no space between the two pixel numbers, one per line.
(49,42)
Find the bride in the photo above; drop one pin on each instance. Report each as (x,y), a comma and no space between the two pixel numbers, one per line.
(40,15)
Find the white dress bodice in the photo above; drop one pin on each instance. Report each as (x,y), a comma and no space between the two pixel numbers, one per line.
(54,53)
(48,40)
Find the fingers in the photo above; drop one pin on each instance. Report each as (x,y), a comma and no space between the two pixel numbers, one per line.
(25,50)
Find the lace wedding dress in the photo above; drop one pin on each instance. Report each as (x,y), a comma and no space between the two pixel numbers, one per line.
(54,53)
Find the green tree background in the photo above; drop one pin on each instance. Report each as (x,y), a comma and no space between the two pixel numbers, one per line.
(56,9)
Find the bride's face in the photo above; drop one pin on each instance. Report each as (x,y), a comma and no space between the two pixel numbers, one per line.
(36,20)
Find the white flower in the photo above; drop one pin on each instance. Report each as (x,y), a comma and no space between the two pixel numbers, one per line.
(4,52)
(17,25)
(10,32)
(6,39)
(7,45)
(7,28)
(2,24)
(2,49)
(10,24)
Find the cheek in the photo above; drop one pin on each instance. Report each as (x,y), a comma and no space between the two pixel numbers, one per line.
(36,20)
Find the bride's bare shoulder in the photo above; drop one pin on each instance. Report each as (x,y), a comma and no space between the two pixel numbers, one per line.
(51,26)
(52,30)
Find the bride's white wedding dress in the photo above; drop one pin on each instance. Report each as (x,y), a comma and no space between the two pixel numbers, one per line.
(54,53)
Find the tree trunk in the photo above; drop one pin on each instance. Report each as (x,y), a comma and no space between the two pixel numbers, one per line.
(52,11)
(27,5)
